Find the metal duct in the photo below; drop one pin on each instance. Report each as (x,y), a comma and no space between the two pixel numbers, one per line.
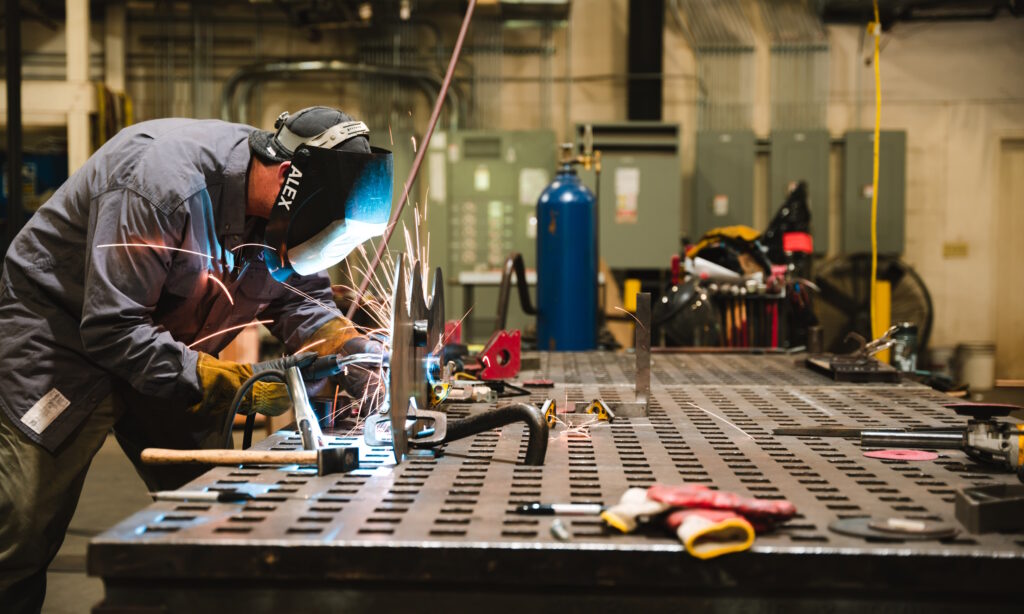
(261,73)
(799,63)
(723,41)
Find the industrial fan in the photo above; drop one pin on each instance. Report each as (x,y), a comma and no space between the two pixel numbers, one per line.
(844,303)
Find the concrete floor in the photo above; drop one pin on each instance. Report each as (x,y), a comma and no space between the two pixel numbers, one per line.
(112,492)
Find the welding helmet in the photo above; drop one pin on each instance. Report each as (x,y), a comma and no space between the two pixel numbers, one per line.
(330,202)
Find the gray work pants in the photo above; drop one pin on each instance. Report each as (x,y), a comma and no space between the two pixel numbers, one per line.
(38,495)
(39,490)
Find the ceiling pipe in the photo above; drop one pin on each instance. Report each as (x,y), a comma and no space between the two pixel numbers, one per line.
(263,72)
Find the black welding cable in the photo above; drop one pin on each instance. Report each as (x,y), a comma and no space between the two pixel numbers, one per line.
(236,402)
(536,448)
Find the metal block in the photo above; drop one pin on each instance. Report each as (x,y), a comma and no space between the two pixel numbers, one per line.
(857,171)
(640,196)
(802,155)
(724,180)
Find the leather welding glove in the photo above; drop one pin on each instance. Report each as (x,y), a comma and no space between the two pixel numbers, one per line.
(221,379)
(363,381)
(332,337)
(710,533)
(762,513)
(633,505)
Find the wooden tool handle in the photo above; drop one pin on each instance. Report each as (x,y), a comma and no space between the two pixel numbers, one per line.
(164,456)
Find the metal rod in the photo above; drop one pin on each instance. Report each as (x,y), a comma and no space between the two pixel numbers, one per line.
(417,161)
(15,211)
(643,348)
(887,439)
(305,420)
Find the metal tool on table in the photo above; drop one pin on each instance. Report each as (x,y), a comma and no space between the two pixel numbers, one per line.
(328,459)
(893,529)
(994,507)
(638,407)
(306,421)
(316,451)
(860,365)
(416,334)
(984,438)
(416,342)
(500,358)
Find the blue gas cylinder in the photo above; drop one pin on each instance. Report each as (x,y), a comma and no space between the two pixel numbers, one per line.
(566,265)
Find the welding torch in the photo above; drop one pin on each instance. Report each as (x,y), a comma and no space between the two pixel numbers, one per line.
(293,371)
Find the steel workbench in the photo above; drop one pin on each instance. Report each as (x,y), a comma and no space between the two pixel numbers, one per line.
(438,534)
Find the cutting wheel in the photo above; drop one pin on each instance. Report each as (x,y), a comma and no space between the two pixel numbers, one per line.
(893,529)
(416,331)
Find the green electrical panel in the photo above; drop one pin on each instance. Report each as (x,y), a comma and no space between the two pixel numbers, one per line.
(802,155)
(482,188)
(640,198)
(857,172)
(724,180)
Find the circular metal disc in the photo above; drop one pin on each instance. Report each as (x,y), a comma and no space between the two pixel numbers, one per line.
(435,327)
(908,526)
(863,526)
(403,357)
(907,455)
(418,312)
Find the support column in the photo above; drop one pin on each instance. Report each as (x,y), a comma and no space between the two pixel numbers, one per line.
(77,53)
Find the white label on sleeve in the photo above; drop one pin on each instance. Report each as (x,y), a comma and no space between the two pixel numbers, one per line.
(45,411)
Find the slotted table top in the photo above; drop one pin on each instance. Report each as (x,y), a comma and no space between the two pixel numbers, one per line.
(448,521)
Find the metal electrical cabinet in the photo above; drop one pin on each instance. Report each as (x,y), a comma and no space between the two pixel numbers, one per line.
(724,180)
(857,171)
(640,201)
(802,155)
(482,188)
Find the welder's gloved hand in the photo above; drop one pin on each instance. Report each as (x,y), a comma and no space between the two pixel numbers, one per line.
(285,362)
(332,337)
(221,379)
(710,533)
(364,380)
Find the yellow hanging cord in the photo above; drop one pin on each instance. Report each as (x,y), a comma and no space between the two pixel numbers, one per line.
(876,29)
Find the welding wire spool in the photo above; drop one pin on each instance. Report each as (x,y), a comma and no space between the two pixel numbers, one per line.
(895,529)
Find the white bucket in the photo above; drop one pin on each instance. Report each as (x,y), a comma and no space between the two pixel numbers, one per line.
(976,365)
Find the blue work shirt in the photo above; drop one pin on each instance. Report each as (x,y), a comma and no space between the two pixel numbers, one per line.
(75,316)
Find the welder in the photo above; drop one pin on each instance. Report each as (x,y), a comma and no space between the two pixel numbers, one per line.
(122,289)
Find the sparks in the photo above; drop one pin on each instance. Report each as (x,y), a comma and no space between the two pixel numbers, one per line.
(221,285)
(334,403)
(313,299)
(638,322)
(173,249)
(251,245)
(413,138)
(228,330)
(311,345)
(717,417)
